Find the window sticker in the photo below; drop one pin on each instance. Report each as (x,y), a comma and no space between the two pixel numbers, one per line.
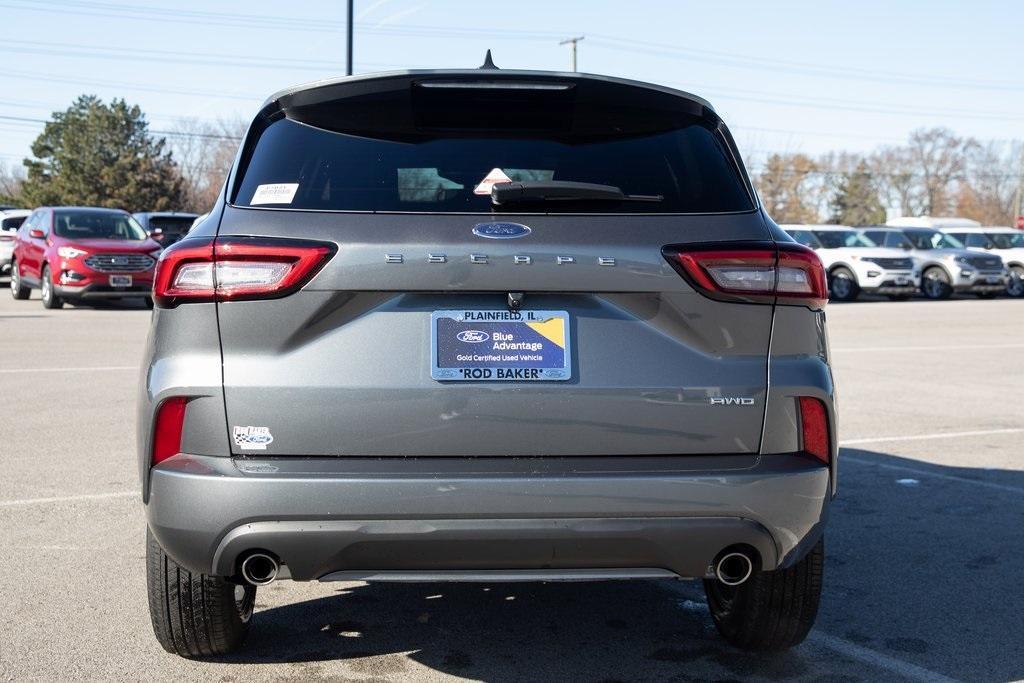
(276,193)
(495,176)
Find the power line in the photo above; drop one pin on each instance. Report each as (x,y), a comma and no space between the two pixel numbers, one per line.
(279,22)
(171,133)
(761,63)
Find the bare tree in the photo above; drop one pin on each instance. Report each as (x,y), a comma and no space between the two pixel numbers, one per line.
(11,180)
(939,156)
(990,183)
(790,188)
(893,170)
(204,152)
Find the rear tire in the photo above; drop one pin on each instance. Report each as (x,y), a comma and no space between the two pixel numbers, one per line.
(770,610)
(195,615)
(18,289)
(935,284)
(842,285)
(50,298)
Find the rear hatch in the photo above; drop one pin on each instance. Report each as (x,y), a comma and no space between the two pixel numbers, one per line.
(408,342)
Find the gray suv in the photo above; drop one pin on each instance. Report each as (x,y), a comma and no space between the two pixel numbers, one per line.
(486,325)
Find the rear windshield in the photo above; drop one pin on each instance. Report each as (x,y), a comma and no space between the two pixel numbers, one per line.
(297,166)
(178,225)
(93,225)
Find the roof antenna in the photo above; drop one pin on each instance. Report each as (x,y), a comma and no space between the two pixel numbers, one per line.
(488,62)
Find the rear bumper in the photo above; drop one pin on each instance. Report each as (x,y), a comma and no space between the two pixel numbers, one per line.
(441,516)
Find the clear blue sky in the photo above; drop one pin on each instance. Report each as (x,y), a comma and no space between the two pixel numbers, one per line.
(786,75)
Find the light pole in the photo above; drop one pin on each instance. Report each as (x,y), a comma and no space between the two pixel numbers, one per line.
(572,53)
(348,41)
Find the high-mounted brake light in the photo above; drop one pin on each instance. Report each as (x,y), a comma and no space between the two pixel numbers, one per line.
(167,428)
(235,268)
(754,272)
(814,428)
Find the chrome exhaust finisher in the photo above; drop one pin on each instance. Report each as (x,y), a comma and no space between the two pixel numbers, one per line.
(259,569)
(732,569)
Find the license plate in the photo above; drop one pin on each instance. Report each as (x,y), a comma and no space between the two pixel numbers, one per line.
(993,279)
(500,346)
(902,281)
(120,280)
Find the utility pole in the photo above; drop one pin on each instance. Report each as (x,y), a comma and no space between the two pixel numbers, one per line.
(1018,199)
(572,53)
(348,41)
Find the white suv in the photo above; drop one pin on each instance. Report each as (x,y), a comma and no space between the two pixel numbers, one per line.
(1006,242)
(10,221)
(946,266)
(855,264)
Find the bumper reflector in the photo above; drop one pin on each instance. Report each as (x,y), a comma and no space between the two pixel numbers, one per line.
(814,428)
(170,418)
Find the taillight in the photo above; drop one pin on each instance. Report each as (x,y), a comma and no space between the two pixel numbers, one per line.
(167,428)
(753,272)
(229,269)
(814,428)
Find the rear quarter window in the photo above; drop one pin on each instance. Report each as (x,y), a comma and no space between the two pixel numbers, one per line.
(690,166)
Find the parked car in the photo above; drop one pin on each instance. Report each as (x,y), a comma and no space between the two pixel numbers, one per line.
(855,264)
(10,221)
(74,253)
(1007,242)
(166,227)
(946,265)
(486,325)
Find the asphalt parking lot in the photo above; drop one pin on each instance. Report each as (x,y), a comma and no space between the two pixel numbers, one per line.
(924,551)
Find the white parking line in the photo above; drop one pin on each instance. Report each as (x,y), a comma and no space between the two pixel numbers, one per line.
(96,368)
(928,437)
(952,347)
(68,499)
(865,655)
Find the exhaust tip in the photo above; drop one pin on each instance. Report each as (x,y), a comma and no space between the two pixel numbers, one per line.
(734,568)
(259,569)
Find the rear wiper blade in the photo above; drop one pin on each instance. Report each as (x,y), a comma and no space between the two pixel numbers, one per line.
(562,190)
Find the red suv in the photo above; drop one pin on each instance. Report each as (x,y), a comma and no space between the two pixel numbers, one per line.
(78,253)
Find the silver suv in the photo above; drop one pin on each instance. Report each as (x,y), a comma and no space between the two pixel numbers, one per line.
(946,265)
(485,325)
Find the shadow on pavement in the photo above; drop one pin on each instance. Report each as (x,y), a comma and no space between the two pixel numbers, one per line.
(923,566)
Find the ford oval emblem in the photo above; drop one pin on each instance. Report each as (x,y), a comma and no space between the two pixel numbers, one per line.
(500,231)
(472,336)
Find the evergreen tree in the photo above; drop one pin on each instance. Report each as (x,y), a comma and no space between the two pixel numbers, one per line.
(94,154)
(856,200)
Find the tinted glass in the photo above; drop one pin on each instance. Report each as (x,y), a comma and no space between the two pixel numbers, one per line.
(976,239)
(91,225)
(1008,240)
(837,239)
(12,223)
(932,239)
(805,238)
(896,240)
(178,225)
(690,167)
